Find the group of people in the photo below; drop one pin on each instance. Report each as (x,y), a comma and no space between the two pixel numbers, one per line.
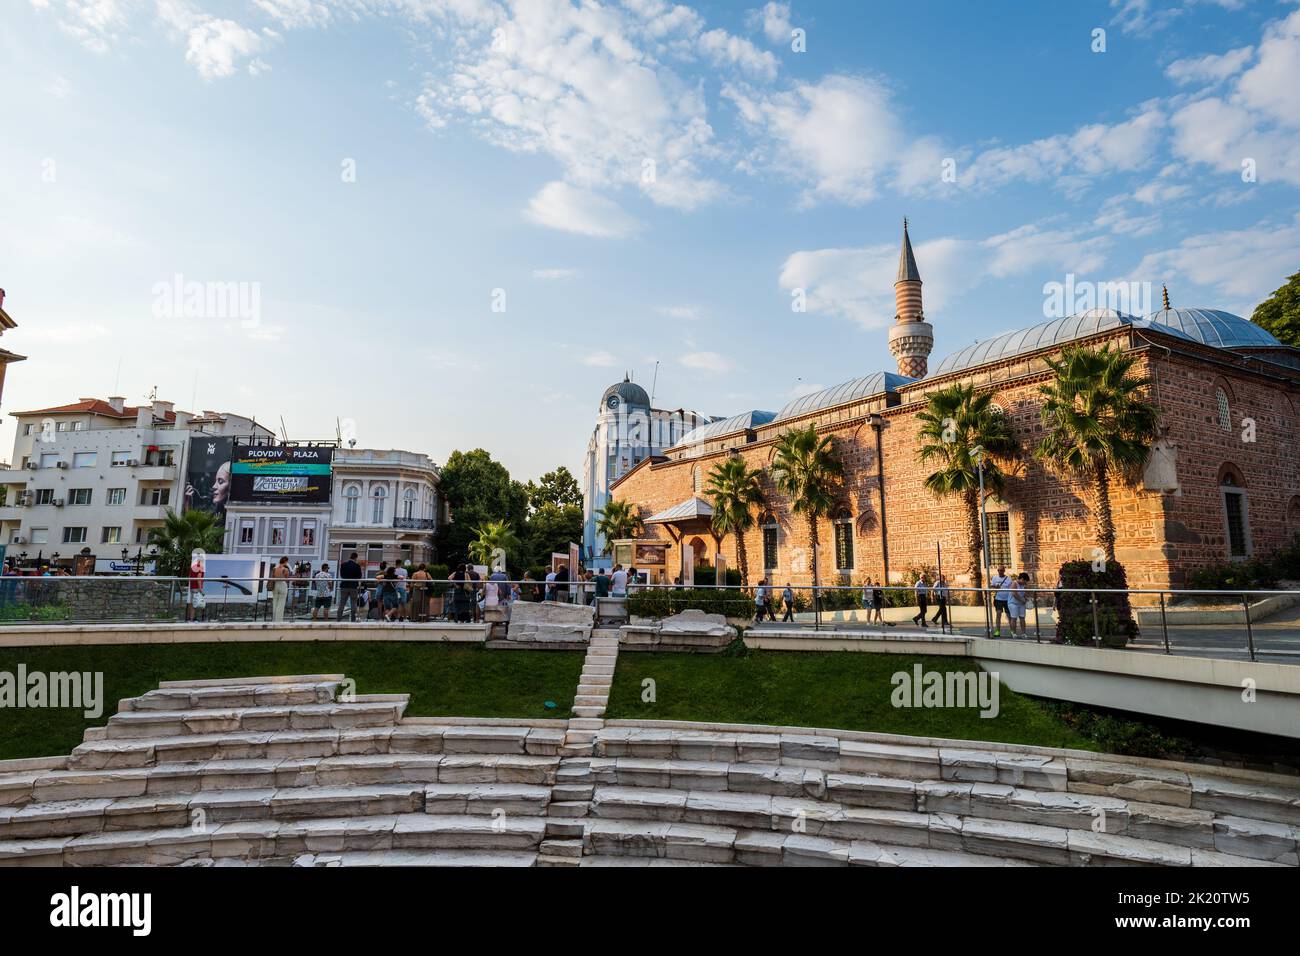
(1010,599)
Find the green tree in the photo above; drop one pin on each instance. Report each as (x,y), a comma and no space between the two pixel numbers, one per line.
(956,421)
(496,541)
(736,492)
(550,528)
(1280,312)
(806,469)
(557,487)
(618,519)
(180,535)
(1100,425)
(478,490)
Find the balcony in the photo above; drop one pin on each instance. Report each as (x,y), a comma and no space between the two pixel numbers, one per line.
(153,472)
(12,512)
(414,524)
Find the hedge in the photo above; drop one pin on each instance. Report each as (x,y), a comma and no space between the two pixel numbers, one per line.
(1114,622)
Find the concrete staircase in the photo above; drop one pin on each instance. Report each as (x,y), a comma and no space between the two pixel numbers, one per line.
(683,794)
(281,771)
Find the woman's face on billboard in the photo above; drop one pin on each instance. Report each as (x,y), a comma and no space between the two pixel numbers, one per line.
(221,484)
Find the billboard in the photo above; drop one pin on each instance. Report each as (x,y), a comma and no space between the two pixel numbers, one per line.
(207,475)
(268,474)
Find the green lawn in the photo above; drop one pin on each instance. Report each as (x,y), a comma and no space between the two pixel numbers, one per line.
(442,679)
(824,689)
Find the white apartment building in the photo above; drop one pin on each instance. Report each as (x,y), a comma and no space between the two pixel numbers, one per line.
(93,477)
(386,506)
(627,432)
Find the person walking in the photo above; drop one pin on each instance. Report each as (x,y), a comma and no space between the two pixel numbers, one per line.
(868,598)
(939,596)
(323,585)
(1001,587)
(760,600)
(280,575)
(349,581)
(787,598)
(922,590)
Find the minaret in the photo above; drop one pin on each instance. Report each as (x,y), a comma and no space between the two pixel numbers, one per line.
(910,338)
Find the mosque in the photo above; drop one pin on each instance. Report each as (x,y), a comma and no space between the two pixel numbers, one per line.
(1221,484)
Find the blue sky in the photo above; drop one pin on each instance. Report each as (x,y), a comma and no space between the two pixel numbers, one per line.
(637,181)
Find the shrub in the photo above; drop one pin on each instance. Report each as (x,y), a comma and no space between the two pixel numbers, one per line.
(1074,609)
(1120,735)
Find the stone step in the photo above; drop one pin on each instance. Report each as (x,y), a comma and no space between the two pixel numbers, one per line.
(595,680)
(166,723)
(597,669)
(601,690)
(254,692)
(279,839)
(492,799)
(671,841)
(545,860)
(565,828)
(640,861)
(589,711)
(571,793)
(586,723)
(561,848)
(591,700)
(568,809)
(437,858)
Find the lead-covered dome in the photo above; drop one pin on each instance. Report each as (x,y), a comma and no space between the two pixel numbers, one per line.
(626,391)
(1214,327)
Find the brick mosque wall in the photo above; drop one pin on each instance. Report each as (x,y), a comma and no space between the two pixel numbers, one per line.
(1160,537)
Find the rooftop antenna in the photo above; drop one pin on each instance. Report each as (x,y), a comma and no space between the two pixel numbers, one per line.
(284,432)
(654,383)
(194,392)
(117,377)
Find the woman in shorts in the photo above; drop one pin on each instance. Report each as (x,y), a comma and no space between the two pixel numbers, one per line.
(1017,600)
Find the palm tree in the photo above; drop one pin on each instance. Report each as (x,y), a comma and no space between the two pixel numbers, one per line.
(807,471)
(957,421)
(617,520)
(496,539)
(736,492)
(180,535)
(1100,425)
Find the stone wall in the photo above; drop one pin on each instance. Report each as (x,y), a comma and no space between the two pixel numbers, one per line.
(1161,536)
(117,599)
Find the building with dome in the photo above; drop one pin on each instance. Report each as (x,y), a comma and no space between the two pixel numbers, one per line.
(628,431)
(1222,483)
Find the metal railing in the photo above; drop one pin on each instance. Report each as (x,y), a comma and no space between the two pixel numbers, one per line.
(1249,623)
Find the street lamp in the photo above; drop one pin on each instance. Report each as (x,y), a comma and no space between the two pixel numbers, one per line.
(978,454)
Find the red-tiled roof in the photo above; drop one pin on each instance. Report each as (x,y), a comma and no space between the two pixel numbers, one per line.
(94,406)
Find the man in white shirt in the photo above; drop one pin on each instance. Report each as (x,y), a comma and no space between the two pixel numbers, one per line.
(618,583)
(922,599)
(1001,585)
(323,584)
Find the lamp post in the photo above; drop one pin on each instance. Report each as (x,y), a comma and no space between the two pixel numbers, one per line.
(878,425)
(978,454)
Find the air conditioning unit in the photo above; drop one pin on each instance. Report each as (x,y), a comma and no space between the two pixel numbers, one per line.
(134,462)
(60,464)
(31,466)
(57,502)
(20,540)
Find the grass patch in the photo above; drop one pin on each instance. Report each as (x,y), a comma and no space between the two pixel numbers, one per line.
(829,689)
(442,679)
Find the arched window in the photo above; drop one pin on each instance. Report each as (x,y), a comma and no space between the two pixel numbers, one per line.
(352,496)
(1236,515)
(843,525)
(408,503)
(378,497)
(1225,413)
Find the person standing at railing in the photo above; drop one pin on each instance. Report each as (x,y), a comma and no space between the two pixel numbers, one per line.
(349,581)
(420,594)
(280,575)
(1017,600)
(787,598)
(618,583)
(323,585)
(403,595)
(922,589)
(939,595)
(196,600)
(1001,586)
(602,584)
(562,583)
(760,601)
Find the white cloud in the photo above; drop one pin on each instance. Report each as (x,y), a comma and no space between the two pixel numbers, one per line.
(1244,264)
(561,206)
(707,362)
(555,274)
(688,312)
(96,24)
(722,47)
(297,14)
(600,360)
(774,20)
(215,47)
(1211,68)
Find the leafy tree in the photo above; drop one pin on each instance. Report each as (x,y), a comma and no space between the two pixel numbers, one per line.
(956,421)
(557,487)
(736,492)
(478,490)
(550,528)
(180,535)
(806,469)
(1100,425)
(1280,312)
(618,519)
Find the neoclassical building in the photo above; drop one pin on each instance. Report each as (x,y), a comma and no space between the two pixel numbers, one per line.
(627,432)
(1221,484)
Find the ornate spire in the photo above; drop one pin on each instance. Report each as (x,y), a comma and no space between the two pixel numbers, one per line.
(911,338)
(907,271)
(1164,290)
